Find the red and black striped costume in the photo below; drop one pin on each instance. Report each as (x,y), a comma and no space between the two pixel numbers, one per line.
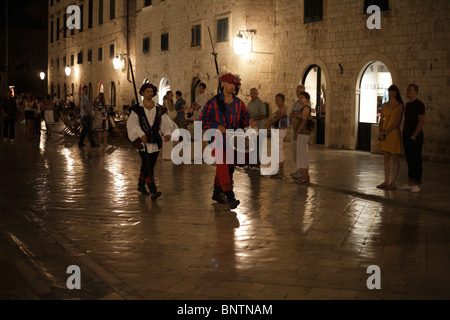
(230,116)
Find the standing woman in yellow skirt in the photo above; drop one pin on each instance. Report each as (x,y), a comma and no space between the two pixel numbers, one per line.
(390,137)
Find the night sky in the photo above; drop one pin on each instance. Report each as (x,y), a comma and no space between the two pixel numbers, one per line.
(25,13)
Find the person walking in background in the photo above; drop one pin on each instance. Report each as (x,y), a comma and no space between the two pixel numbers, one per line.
(38,116)
(86,118)
(169,106)
(280,121)
(180,108)
(100,120)
(257,110)
(294,113)
(56,106)
(29,110)
(9,114)
(390,137)
(413,138)
(49,114)
(302,133)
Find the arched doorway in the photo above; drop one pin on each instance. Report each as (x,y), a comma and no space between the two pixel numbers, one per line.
(164,86)
(315,84)
(373,84)
(194,88)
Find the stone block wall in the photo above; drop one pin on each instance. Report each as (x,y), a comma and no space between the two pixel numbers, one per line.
(413,42)
(183,62)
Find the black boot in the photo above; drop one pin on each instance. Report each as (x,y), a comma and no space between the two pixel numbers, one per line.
(217,195)
(232,201)
(141,188)
(154,194)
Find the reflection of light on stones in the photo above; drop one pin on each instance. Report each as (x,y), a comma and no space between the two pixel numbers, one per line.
(70,160)
(42,141)
(115,167)
(69,175)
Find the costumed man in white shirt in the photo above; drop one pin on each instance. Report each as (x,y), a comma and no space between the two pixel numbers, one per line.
(145,125)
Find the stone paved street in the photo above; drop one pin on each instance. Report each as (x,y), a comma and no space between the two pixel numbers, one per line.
(61,205)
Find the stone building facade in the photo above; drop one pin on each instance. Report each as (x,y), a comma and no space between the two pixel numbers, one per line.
(412,45)
(334,47)
(89,52)
(185,60)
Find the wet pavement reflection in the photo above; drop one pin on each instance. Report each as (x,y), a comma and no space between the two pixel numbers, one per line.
(62,205)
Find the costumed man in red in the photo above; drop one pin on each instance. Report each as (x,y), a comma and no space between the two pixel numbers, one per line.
(226,111)
(145,125)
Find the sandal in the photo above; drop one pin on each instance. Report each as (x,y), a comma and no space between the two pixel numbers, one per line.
(391,187)
(384,185)
(302,181)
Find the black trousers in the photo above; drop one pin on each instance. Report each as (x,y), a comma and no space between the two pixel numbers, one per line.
(86,122)
(147,175)
(9,125)
(413,153)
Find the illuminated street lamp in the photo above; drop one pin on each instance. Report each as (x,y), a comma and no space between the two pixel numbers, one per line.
(68,71)
(117,63)
(242,44)
(42,75)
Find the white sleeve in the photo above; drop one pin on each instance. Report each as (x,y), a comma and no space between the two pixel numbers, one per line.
(167,125)
(133,128)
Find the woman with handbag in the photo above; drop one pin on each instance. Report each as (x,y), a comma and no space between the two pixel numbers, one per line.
(303,127)
(390,137)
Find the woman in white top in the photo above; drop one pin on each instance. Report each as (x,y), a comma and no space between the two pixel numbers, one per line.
(172,113)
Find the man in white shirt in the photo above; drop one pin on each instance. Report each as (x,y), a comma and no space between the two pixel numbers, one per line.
(145,125)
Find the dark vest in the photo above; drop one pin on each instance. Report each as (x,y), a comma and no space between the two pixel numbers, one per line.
(152,132)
